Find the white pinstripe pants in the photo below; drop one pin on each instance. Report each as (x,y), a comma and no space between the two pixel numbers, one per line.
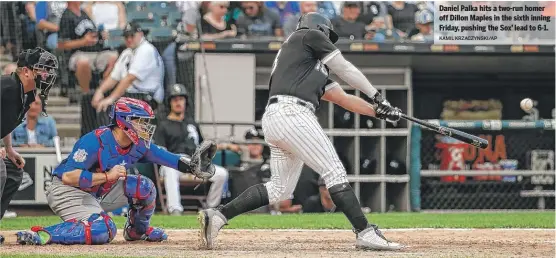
(295,137)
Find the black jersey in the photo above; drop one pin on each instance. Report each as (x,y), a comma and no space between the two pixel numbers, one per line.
(181,137)
(14,103)
(299,68)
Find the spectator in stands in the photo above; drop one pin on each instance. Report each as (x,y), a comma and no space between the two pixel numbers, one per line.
(111,15)
(258,21)
(291,23)
(285,9)
(179,135)
(213,24)
(347,26)
(370,10)
(192,12)
(424,22)
(401,17)
(37,130)
(9,69)
(79,35)
(48,15)
(139,69)
(328,9)
(310,195)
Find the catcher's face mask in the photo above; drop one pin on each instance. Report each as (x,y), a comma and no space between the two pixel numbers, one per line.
(143,128)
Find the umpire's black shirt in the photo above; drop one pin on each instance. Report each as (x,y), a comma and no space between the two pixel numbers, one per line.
(14,102)
(299,69)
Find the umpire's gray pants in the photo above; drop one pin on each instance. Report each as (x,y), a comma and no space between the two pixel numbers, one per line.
(10,179)
(69,202)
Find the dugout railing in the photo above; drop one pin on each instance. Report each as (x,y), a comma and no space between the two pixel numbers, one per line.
(516,171)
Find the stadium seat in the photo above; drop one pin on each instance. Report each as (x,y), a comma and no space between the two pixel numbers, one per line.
(227,158)
(114,43)
(174,17)
(140,16)
(161,8)
(185,180)
(135,6)
(115,33)
(161,33)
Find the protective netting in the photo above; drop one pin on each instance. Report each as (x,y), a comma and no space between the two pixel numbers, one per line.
(528,151)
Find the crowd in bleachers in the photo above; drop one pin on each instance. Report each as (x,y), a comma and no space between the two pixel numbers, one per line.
(41,21)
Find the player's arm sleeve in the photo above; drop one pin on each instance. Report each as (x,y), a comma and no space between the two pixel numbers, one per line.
(160,156)
(350,74)
(83,156)
(320,45)
(330,84)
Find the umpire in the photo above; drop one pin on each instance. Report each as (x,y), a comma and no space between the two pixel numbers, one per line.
(36,68)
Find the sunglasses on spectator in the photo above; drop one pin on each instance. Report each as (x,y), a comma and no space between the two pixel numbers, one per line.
(249,8)
(224,7)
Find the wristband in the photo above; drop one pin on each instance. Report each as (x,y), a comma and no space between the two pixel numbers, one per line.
(106,177)
(85,179)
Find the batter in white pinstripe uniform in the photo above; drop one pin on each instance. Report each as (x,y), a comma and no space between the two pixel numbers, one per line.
(299,80)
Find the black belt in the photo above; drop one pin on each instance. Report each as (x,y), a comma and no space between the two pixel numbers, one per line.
(274,100)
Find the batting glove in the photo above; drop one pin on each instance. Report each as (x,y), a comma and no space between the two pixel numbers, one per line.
(384,109)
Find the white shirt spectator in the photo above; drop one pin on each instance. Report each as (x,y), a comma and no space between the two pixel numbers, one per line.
(145,63)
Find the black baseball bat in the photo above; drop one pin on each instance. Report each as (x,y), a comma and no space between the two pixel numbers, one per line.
(456,134)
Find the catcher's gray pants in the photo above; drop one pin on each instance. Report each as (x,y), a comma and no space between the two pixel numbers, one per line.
(295,137)
(69,202)
(10,179)
(172,186)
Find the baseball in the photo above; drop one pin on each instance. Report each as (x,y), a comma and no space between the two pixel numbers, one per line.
(526,104)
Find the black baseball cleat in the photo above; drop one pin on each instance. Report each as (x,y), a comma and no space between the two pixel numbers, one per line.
(2,239)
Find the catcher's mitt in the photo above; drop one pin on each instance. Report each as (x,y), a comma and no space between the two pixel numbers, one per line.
(201,161)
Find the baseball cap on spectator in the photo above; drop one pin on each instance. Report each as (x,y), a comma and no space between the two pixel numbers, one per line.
(133,27)
(253,133)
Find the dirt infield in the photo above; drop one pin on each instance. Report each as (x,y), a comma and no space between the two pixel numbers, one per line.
(326,243)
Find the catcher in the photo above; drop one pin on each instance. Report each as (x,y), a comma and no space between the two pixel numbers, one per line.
(92,180)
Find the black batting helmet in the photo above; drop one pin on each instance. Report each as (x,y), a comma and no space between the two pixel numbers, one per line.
(317,21)
(176,90)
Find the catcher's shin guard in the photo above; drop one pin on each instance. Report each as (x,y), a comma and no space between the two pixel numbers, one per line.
(98,229)
(141,193)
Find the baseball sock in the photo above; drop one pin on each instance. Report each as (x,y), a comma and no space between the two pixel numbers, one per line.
(254,197)
(344,198)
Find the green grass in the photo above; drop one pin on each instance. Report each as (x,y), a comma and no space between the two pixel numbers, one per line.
(334,221)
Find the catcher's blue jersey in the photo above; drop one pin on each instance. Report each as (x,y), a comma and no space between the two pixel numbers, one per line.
(98,152)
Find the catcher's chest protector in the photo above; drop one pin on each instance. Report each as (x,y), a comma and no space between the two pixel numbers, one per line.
(110,154)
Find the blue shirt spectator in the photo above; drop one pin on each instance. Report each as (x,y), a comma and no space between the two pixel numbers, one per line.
(283,8)
(36,130)
(327,9)
(258,21)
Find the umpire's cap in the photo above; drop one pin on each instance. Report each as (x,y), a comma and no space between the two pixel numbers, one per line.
(317,21)
(177,90)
